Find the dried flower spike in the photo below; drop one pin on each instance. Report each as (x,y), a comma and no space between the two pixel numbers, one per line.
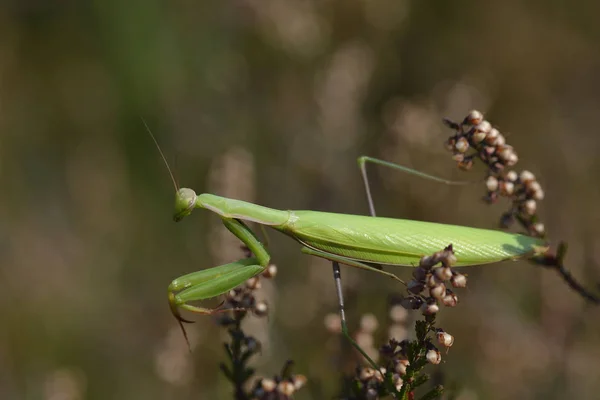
(489,145)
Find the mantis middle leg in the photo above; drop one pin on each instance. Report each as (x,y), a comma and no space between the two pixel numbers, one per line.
(336,260)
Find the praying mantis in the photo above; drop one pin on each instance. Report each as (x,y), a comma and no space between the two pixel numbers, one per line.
(365,242)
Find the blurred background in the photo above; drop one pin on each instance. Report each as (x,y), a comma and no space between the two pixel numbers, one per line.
(272,101)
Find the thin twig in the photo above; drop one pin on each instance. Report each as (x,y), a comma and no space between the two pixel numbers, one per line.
(556,262)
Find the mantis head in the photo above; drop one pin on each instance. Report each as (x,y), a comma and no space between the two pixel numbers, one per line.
(185,201)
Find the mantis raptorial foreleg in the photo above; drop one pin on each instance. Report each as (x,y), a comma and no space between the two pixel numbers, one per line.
(215,281)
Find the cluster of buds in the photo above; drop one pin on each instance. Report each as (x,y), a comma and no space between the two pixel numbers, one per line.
(429,287)
(489,145)
(370,383)
(240,301)
(277,388)
(401,363)
(525,192)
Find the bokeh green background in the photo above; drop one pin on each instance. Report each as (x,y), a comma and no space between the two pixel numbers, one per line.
(272,101)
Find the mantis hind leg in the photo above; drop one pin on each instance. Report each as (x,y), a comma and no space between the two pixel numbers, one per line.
(337,277)
(362,164)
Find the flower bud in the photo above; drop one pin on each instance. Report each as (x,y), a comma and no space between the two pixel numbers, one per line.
(466,164)
(438,291)
(270,272)
(526,177)
(483,126)
(505,153)
(478,137)
(460,157)
(450,299)
(299,381)
(458,280)
(530,206)
(253,283)
(491,137)
(261,308)
(444,338)
(489,150)
(443,273)
(286,388)
(433,356)
(507,188)
(401,366)
(268,385)
(449,258)
(366,374)
(539,228)
(511,176)
(462,145)
(500,140)
(430,308)
(474,117)
(533,186)
(512,159)
(398,382)
(491,183)
(433,281)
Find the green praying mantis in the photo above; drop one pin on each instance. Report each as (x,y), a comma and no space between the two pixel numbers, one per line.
(365,242)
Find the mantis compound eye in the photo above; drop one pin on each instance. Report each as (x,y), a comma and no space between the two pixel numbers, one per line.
(185,201)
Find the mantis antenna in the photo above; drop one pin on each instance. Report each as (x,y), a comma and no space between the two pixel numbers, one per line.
(161,154)
(179,320)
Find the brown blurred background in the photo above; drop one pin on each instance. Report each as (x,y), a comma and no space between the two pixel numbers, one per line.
(272,101)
